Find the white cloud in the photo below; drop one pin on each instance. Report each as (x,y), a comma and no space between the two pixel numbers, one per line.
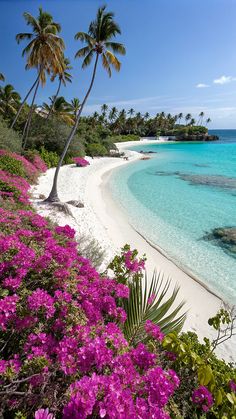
(224,80)
(201,85)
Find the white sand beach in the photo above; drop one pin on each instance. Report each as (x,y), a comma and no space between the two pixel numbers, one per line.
(102,219)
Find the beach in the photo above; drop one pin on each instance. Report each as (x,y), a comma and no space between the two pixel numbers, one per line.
(102,219)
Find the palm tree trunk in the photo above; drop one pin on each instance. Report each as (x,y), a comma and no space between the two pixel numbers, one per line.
(22,104)
(54,100)
(53,196)
(28,122)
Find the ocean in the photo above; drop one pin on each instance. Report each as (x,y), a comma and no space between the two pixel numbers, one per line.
(178,197)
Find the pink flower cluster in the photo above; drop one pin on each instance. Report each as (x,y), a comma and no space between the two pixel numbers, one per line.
(30,170)
(202,398)
(80,162)
(132,263)
(62,326)
(18,187)
(39,164)
(154,330)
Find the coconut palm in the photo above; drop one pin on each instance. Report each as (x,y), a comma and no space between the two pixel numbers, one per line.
(104,109)
(179,117)
(131,112)
(146,115)
(99,43)
(9,100)
(2,78)
(61,109)
(44,52)
(201,115)
(149,302)
(188,117)
(113,114)
(192,122)
(63,76)
(208,121)
(75,106)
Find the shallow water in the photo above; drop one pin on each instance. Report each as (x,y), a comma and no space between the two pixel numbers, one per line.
(180,194)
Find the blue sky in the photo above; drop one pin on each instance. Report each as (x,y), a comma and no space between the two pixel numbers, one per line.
(181,55)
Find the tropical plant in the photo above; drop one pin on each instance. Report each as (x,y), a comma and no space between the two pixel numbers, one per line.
(99,44)
(9,138)
(64,77)
(179,117)
(201,115)
(147,299)
(9,100)
(2,78)
(75,106)
(188,117)
(112,114)
(208,121)
(60,108)
(44,53)
(104,109)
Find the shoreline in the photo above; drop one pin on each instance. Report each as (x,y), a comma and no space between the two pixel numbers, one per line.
(103,219)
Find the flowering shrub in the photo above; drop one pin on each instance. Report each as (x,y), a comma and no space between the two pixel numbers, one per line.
(63,353)
(31,172)
(80,162)
(14,187)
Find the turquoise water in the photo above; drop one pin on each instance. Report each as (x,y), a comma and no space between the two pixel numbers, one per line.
(178,196)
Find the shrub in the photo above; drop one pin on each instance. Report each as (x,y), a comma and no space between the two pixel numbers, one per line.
(49,157)
(96,149)
(34,157)
(123,138)
(51,135)
(30,171)
(80,162)
(15,187)
(11,165)
(9,139)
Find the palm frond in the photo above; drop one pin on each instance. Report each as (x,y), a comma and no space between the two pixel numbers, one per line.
(113,60)
(85,37)
(30,20)
(22,36)
(105,64)
(116,47)
(82,52)
(88,59)
(139,308)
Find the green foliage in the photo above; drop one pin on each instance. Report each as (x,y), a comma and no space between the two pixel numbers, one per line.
(123,138)
(11,165)
(147,300)
(196,364)
(9,139)
(51,158)
(51,134)
(96,149)
(7,187)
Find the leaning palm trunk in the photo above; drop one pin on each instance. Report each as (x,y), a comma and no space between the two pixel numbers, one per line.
(28,122)
(53,196)
(54,100)
(22,104)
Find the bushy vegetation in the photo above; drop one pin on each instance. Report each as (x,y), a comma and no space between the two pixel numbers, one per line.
(9,138)
(69,341)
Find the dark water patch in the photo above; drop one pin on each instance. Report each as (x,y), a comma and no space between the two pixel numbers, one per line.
(217,181)
(224,237)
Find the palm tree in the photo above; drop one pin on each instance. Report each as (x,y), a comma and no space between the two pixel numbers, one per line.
(9,100)
(208,121)
(131,112)
(2,78)
(63,76)
(188,117)
(201,115)
(44,53)
(180,116)
(75,106)
(61,109)
(98,44)
(113,114)
(192,122)
(104,108)
(146,115)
